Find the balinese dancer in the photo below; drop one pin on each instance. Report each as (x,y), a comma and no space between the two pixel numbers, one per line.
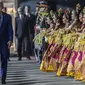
(68,44)
(66,21)
(48,58)
(41,23)
(70,69)
(80,68)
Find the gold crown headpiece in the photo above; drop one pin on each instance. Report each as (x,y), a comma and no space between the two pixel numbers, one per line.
(84,10)
(60,11)
(67,11)
(78,5)
(43,4)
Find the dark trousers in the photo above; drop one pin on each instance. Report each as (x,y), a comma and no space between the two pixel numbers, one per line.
(4,51)
(21,48)
(31,43)
(29,48)
(9,54)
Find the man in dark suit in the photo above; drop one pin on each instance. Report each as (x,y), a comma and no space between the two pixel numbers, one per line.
(32,20)
(5,11)
(21,30)
(6,38)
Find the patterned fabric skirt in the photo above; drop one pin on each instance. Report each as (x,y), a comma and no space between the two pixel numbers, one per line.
(63,61)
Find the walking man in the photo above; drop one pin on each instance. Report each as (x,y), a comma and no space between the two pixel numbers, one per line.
(31,23)
(21,31)
(5,11)
(6,38)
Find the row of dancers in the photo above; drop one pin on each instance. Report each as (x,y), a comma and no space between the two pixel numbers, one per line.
(65,53)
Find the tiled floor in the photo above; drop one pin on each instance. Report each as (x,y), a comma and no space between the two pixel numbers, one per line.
(27,73)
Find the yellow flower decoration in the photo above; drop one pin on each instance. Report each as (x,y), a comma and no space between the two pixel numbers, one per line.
(68,10)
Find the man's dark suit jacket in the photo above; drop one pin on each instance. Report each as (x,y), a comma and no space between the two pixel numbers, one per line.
(6,35)
(6,31)
(32,21)
(21,27)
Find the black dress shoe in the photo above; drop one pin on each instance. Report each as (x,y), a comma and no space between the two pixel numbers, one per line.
(19,59)
(8,59)
(3,82)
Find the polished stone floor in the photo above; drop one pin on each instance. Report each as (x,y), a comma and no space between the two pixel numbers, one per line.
(27,72)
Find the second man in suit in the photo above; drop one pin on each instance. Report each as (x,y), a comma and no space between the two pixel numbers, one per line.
(31,22)
(21,31)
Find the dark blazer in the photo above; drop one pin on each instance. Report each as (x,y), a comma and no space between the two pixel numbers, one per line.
(6,34)
(21,27)
(6,31)
(32,21)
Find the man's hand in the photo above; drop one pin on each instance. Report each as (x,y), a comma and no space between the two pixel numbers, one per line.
(9,44)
